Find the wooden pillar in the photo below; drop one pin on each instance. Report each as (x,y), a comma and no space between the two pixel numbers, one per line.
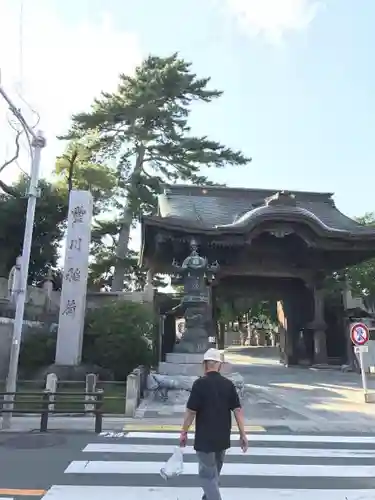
(318,325)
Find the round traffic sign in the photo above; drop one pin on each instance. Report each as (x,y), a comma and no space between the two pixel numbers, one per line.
(359,333)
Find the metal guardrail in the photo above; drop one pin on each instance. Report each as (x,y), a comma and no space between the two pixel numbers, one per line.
(8,400)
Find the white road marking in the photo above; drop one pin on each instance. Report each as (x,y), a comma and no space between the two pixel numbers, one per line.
(256,452)
(282,438)
(229,469)
(183,493)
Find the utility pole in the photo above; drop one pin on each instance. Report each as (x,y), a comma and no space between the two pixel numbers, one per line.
(38,142)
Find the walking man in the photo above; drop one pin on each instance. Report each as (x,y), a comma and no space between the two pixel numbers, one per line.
(212,400)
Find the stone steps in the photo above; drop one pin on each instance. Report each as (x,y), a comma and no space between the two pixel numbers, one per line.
(193,369)
(184,358)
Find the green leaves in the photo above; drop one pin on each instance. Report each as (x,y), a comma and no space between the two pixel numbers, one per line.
(152,108)
(361,277)
(143,129)
(50,216)
(117,337)
(75,170)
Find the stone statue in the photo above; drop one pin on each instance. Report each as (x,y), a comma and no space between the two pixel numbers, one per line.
(194,273)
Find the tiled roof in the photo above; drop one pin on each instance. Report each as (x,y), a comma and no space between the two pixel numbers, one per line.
(215,207)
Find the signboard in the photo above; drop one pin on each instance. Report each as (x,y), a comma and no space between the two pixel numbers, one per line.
(359,334)
(358,349)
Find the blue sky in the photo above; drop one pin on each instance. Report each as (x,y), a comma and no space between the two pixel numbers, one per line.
(297,76)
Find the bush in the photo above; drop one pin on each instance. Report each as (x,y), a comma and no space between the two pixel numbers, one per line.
(117,337)
(37,350)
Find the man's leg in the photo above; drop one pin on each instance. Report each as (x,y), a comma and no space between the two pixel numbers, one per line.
(208,475)
(219,457)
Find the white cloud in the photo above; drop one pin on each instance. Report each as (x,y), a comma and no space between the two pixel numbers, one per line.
(273,19)
(63,66)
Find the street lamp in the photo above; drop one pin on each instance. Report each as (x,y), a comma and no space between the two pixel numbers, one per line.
(37,143)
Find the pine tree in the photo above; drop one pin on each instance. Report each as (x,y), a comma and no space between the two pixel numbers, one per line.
(143,129)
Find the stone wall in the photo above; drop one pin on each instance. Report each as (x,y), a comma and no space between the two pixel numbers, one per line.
(41,301)
(37,297)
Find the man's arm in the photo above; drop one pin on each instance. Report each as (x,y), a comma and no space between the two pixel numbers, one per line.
(188,420)
(235,406)
(238,415)
(192,406)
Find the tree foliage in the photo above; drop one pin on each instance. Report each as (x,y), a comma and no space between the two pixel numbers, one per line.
(143,128)
(101,270)
(75,170)
(256,310)
(117,338)
(361,277)
(50,217)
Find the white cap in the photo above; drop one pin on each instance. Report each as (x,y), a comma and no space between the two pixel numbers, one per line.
(213,355)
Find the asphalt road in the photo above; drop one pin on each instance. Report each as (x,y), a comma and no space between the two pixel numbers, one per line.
(32,462)
(80,466)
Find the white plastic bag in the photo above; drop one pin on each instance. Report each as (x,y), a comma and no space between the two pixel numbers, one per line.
(174,465)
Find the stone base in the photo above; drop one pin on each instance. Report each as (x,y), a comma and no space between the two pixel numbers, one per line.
(188,369)
(184,358)
(370,397)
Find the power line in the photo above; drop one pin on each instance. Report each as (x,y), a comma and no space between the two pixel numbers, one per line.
(20,52)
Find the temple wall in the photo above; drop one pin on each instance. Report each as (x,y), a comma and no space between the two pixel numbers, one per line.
(42,300)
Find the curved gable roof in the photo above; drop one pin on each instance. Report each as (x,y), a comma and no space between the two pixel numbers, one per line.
(223,209)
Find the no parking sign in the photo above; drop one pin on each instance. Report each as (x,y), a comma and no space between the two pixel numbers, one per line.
(359,334)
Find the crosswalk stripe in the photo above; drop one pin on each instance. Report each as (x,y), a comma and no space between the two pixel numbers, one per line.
(282,438)
(276,467)
(229,469)
(173,493)
(234,451)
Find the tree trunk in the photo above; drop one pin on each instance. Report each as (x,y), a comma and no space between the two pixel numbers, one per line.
(122,250)
(123,240)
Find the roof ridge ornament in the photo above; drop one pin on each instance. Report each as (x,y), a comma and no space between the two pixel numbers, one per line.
(284,198)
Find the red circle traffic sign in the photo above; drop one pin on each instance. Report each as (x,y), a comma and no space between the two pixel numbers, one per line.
(359,334)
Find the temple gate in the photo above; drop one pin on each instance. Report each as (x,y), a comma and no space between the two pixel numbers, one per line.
(253,242)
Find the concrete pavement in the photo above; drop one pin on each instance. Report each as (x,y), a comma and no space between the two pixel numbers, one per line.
(300,399)
(320,396)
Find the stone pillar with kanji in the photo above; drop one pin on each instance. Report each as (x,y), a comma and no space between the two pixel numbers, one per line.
(73,294)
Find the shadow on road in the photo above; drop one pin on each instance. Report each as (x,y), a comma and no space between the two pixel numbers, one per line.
(320,394)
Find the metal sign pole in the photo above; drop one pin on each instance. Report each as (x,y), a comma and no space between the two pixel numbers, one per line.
(359,334)
(363,372)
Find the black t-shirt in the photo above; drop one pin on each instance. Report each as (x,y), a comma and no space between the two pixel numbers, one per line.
(213,397)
